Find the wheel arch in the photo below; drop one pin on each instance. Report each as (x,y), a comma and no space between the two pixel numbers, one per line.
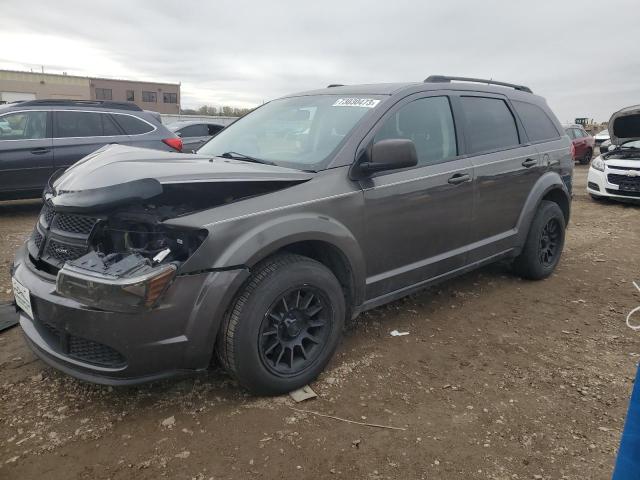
(548,187)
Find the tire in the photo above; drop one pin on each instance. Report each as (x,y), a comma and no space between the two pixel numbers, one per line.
(284,325)
(543,247)
(587,157)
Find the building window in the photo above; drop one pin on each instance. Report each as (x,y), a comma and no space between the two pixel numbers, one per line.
(130,96)
(104,94)
(170,97)
(149,97)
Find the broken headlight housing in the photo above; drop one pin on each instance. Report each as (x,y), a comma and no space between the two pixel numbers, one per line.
(116,282)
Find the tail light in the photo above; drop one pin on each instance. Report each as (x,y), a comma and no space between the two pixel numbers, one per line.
(573,151)
(174,142)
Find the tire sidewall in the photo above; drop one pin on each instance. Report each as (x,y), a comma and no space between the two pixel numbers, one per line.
(547,212)
(249,367)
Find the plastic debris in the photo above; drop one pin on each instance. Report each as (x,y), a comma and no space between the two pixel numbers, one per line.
(302,394)
(396,333)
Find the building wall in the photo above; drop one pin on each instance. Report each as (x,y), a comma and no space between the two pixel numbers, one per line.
(24,85)
(44,85)
(119,88)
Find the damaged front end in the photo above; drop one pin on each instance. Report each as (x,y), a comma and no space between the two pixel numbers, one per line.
(108,244)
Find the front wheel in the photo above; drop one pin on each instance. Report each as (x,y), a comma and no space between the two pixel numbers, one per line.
(543,247)
(587,157)
(284,325)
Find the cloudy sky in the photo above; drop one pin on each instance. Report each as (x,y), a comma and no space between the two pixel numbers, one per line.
(581,55)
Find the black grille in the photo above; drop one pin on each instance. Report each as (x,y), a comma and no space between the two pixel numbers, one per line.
(615,167)
(64,251)
(629,184)
(74,223)
(94,352)
(47,214)
(82,349)
(623,193)
(37,239)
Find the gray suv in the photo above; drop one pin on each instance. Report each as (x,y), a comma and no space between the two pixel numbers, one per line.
(39,137)
(306,212)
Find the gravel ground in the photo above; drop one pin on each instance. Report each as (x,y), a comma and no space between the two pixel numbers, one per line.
(499,378)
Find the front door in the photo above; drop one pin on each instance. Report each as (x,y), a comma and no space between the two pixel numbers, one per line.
(417,219)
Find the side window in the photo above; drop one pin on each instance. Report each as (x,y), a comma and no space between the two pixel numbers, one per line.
(570,132)
(428,122)
(214,129)
(108,125)
(489,124)
(77,124)
(23,126)
(582,133)
(132,125)
(537,124)
(198,130)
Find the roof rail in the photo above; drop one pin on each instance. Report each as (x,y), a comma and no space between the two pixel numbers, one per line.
(53,102)
(335,85)
(447,79)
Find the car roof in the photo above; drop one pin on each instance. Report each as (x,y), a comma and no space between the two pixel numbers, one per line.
(414,87)
(67,104)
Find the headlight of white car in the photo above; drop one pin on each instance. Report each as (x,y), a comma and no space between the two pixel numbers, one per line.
(598,164)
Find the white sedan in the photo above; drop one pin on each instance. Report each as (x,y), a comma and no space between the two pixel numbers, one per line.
(616,173)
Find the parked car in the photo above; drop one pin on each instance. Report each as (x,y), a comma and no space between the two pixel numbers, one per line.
(615,174)
(600,137)
(604,146)
(194,133)
(583,143)
(257,249)
(39,137)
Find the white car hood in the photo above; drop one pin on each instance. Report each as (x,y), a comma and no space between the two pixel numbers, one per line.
(624,125)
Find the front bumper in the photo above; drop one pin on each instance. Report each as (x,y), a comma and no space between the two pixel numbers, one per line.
(125,348)
(599,186)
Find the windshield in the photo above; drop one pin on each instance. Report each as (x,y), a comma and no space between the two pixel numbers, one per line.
(297,132)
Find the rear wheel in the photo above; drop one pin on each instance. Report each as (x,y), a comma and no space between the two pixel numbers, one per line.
(543,247)
(587,157)
(284,326)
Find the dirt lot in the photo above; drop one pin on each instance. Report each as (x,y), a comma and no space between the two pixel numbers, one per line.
(499,379)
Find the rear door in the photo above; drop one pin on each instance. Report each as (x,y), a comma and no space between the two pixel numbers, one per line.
(417,220)
(506,168)
(79,133)
(26,154)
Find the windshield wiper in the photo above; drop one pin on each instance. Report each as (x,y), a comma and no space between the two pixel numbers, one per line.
(247,158)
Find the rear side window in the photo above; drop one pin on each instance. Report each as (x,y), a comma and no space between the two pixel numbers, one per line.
(199,130)
(23,126)
(489,124)
(109,125)
(78,124)
(427,122)
(537,124)
(132,125)
(214,129)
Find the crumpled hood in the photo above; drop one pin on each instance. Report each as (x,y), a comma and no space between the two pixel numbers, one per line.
(624,125)
(116,174)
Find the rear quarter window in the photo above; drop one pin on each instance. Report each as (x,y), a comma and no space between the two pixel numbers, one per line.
(488,124)
(537,124)
(132,125)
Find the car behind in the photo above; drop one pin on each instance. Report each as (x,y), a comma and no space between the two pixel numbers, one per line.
(40,137)
(615,174)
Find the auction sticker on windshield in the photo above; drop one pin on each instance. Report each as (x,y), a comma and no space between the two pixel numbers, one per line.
(23,297)
(356,102)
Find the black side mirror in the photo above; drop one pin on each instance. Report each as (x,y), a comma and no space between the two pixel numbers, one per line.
(389,154)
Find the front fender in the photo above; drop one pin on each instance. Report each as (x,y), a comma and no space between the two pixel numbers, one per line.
(245,242)
(547,183)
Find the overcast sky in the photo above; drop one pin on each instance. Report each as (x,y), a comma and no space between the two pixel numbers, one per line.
(581,55)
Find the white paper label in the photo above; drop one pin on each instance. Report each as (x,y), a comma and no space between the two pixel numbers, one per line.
(356,102)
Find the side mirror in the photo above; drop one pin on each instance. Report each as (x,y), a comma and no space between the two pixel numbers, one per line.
(389,154)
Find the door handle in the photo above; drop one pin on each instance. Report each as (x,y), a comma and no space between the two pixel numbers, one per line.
(459,178)
(529,162)
(39,150)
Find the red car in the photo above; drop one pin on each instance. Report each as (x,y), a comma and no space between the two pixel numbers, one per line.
(583,143)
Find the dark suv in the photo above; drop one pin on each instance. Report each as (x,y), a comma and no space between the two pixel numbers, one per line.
(41,136)
(299,216)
